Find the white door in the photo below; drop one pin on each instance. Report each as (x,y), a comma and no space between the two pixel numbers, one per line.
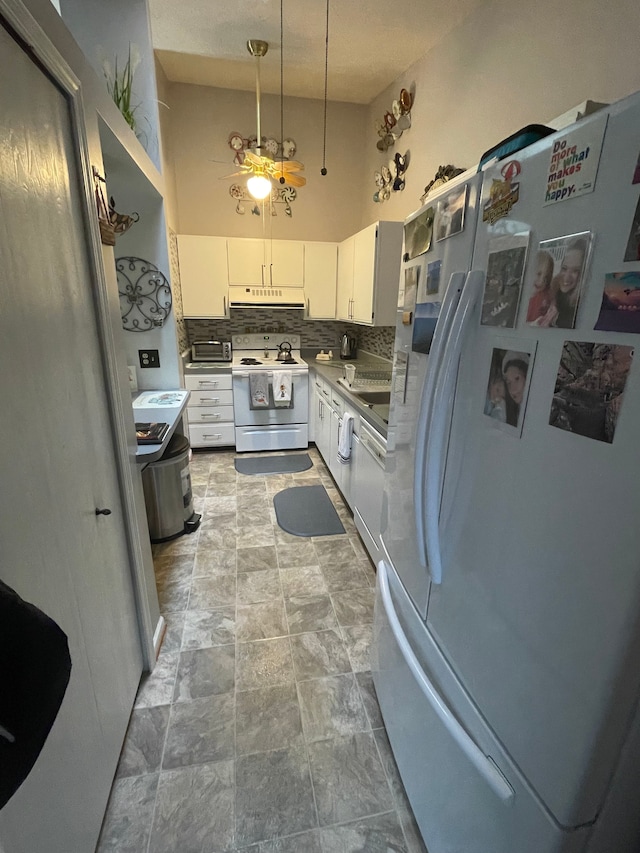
(58,464)
(247,262)
(204,278)
(286,267)
(320,279)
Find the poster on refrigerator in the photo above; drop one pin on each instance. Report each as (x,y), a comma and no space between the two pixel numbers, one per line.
(573,162)
(560,271)
(417,234)
(450,213)
(589,389)
(632,252)
(503,284)
(620,309)
(508,381)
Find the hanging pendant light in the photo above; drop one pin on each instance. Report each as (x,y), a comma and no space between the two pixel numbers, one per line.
(259,186)
(323,170)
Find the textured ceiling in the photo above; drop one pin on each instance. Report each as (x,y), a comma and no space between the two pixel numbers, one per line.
(370,43)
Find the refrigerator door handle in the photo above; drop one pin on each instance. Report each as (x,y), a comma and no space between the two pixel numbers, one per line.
(483,763)
(439,427)
(449,305)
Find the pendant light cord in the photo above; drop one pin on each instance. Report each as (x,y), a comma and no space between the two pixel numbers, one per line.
(281,92)
(323,171)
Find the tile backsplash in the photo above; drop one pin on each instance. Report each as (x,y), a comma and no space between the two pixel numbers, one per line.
(314,334)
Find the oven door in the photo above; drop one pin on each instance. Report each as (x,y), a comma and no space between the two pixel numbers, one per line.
(246,416)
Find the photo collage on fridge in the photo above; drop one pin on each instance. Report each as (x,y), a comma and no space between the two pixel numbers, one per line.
(591,376)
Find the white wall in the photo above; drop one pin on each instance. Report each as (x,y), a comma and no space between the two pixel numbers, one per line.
(508,65)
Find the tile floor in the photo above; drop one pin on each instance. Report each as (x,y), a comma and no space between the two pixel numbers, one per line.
(259,729)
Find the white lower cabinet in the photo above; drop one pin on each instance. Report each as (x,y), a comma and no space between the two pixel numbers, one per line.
(210,410)
(328,410)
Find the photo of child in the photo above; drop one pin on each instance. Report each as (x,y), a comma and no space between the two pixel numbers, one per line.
(570,257)
(540,301)
(590,388)
(507,388)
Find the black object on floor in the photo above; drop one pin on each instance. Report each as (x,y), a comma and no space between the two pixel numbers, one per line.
(307,511)
(274,464)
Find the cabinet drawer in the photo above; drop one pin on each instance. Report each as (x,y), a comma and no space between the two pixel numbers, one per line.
(211,435)
(211,382)
(337,403)
(213,398)
(210,414)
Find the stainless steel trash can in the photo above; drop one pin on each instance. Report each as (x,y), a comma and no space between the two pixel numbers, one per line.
(167,493)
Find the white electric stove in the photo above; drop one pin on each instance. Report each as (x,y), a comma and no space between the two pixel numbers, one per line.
(273,427)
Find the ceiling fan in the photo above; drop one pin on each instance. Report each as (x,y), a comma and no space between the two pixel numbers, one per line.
(261,167)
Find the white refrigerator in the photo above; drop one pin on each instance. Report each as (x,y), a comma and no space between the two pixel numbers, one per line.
(506,652)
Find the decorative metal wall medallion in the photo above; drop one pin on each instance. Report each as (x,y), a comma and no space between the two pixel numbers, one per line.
(145,294)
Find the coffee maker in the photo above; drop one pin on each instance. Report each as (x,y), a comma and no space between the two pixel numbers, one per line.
(348,346)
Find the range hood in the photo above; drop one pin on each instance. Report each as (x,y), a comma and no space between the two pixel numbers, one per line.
(243,296)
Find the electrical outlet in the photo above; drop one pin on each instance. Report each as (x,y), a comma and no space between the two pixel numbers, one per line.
(149,357)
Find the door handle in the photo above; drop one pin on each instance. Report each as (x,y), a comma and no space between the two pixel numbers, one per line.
(103,511)
(262,273)
(271,275)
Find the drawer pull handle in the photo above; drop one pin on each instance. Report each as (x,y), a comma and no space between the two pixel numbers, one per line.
(206,416)
(215,435)
(210,399)
(209,383)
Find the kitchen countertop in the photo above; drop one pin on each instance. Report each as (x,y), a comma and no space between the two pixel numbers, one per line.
(376,415)
(170,414)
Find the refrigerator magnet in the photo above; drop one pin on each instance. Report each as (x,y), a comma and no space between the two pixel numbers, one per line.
(417,234)
(560,271)
(632,252)
(450,213)
(411,280)
(620,309)
(573,161)
(503,283)
(424,326)
(503,192)
(590,389)
(433,278)
(507,388)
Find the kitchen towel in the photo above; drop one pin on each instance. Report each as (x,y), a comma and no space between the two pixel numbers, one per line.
(344,439)
(35,667)
(282,388)
(259,390)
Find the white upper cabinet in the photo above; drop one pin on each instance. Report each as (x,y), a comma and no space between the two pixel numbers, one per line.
(368,275)
(345,278)
(320,271)
(285,263)
(203,275)
(247,262)
(266,263)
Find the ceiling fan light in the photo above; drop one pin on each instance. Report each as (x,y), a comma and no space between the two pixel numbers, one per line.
(259,186)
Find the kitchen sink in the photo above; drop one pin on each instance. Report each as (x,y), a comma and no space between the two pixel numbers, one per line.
(372,397)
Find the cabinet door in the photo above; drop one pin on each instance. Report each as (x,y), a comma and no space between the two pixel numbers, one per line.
(247,262)
(345,278)
(320,280)
(364,263)
(203,275)
(285,263)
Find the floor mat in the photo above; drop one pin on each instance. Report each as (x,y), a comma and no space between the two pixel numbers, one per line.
(307,511)
(274,464)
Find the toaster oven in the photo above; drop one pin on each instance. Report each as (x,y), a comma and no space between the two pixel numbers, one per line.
(211,351)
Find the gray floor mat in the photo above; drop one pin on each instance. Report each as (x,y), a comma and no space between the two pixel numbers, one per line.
(274,464)
(307,511)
